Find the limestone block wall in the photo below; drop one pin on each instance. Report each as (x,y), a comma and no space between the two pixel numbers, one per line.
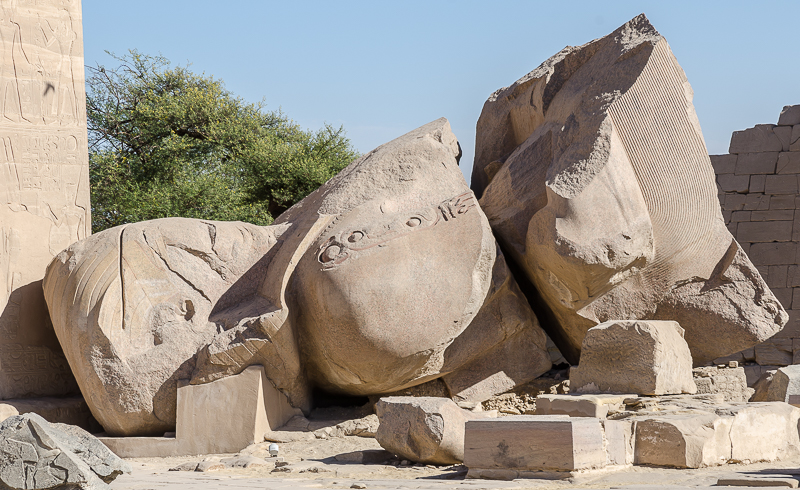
(44,183)
(758,190)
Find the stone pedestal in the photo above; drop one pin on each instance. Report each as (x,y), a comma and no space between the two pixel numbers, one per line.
(223,416)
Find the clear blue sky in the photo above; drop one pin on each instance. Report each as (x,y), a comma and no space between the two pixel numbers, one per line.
(383,68)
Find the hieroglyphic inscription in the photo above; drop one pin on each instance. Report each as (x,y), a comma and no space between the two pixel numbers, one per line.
(44,182)
(338,249)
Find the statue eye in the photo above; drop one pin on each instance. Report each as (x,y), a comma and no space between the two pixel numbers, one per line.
(414,222)
(329,254)
(355,236)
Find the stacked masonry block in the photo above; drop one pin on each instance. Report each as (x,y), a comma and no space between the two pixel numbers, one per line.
(758,185)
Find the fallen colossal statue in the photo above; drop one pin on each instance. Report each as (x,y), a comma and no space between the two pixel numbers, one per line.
(386,277)
(596,180)
(593,174)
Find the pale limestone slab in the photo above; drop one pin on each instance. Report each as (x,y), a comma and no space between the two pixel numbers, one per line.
(579,405)
(534,443)
(44,184)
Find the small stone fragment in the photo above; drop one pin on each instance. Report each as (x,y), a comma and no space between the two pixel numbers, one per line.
(424,430)
(630,356)
(358,485)
(778,385)
(190,466)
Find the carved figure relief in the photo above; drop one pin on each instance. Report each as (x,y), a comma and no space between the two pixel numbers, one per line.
(44,188)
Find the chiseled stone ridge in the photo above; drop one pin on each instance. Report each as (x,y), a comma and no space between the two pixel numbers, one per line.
(386,277)
(35,454)
(44,183)
(596,180)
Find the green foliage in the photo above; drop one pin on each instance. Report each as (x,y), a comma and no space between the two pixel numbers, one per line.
(164,141)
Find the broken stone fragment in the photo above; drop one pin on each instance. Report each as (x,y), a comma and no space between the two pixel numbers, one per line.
(778,386)
(683,441)
(424,430)
(608,215)
(642,357)
(35,454)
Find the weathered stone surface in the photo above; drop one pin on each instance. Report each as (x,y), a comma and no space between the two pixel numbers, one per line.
(790,115)
(44,184)
(642,357)
(778,386)
(755,139)
(588,198)
(731,383)
(36,454)
(386,277)
(425,430)
(534,443)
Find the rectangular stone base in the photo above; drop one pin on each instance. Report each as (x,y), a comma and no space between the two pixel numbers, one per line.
(220,417)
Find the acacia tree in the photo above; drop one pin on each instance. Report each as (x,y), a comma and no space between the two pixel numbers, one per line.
(164,141)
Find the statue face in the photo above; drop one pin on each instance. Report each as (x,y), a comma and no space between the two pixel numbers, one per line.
(386,290)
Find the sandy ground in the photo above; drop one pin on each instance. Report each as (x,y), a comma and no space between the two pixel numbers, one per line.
(313,464)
